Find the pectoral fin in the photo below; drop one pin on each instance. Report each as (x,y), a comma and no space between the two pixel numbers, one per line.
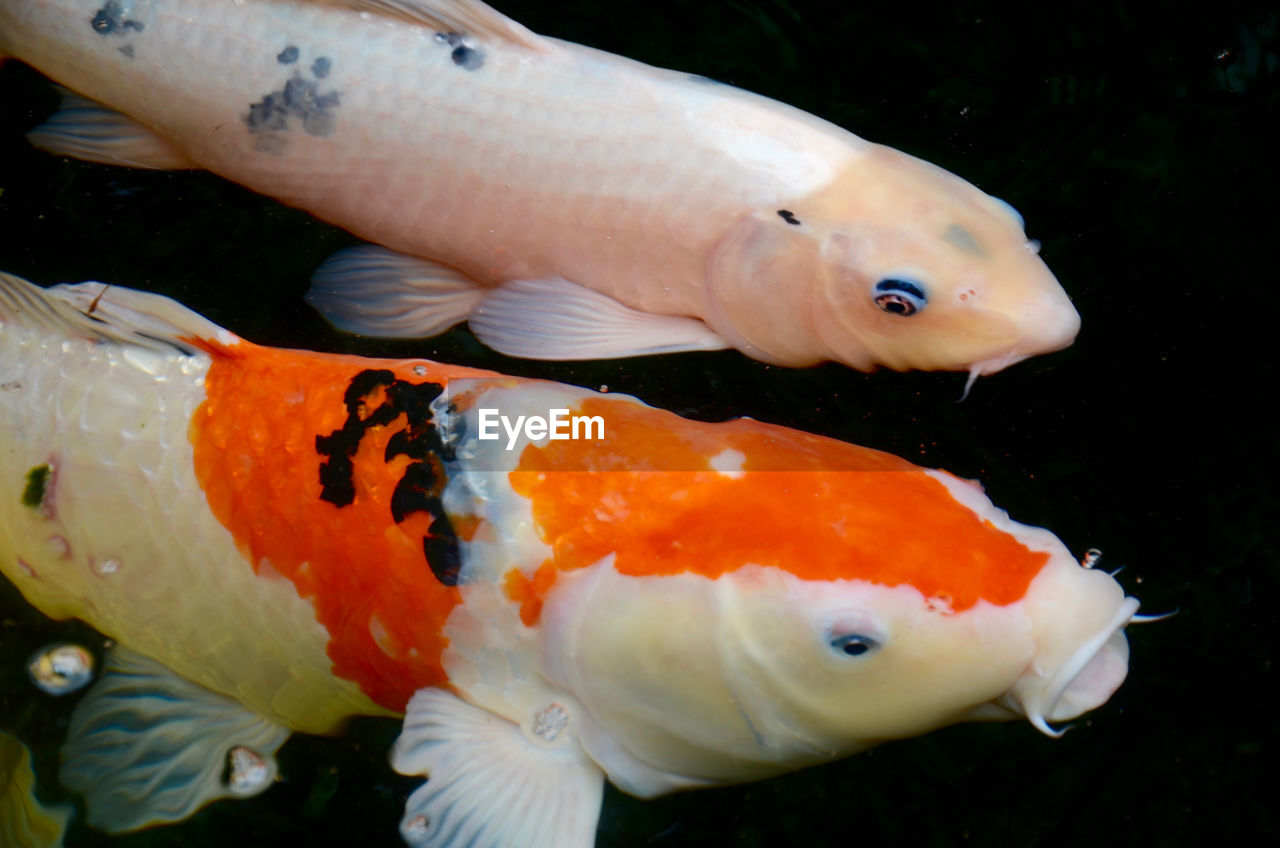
(148,747)
(374,291)
(557,319)
(85,129)
(492,783)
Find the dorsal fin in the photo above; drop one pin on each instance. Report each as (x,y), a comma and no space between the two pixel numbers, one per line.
(108,314)
(469,17)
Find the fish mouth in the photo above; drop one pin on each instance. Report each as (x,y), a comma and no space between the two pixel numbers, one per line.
(1084,681)
(1049,325)
(991,366)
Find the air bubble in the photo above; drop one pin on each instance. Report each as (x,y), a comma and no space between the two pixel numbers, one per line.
(249,771)
(61,668)
(416,827)
(550,722)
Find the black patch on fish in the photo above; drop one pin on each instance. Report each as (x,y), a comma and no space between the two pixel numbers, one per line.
(105,20)
(37,486)
(110,20)
(786,215)
(299,102)
(422,484)
(463,55)
(468,58)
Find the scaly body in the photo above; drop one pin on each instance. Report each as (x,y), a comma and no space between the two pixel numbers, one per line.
(670,604)
(520,159)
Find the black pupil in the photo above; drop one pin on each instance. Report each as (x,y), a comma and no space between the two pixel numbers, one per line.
(895,303)
(855,648)
(899,297)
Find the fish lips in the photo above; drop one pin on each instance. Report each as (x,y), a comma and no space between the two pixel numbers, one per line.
(1084,681)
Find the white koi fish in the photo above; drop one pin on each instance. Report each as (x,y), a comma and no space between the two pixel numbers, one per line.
(554,586)
(569,203)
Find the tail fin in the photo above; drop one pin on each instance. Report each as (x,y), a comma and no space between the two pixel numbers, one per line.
(110,314)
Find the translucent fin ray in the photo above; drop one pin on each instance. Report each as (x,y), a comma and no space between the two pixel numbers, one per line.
(107,314)
(85,129)
(557,319)
(147,747)
(489,785)
(374,291)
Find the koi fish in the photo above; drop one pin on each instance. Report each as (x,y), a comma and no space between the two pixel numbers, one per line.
(525,184)
(553,586)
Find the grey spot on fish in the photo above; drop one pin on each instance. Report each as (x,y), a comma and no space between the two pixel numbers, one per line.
(467,57)
(959,237)
(288,56)
(320,67)
(300,100)
(127,50)
(110,20)
(464,55)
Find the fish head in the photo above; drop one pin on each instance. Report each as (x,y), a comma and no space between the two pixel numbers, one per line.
(895,263)
(1078,616)
(896,602)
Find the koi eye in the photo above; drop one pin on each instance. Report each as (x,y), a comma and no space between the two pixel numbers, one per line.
(900,297)
(854,644)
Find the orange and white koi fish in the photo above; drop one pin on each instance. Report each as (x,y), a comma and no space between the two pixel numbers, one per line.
(280,539)
(569,203)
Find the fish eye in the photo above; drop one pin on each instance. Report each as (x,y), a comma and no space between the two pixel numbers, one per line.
(854,644)
(900,297)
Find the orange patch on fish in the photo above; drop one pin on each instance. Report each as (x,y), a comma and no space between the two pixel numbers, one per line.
(529,593)
(258,460)
(825,510)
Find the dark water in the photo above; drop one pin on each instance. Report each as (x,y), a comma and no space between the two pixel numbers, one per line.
(1140,143)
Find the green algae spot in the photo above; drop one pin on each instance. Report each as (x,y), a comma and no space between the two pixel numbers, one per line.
(37,480)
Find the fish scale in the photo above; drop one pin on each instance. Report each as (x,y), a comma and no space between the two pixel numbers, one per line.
(139,541)
(687,204)
(278,540)
(447,138)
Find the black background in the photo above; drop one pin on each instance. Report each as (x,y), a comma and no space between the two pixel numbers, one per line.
(1138,140)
